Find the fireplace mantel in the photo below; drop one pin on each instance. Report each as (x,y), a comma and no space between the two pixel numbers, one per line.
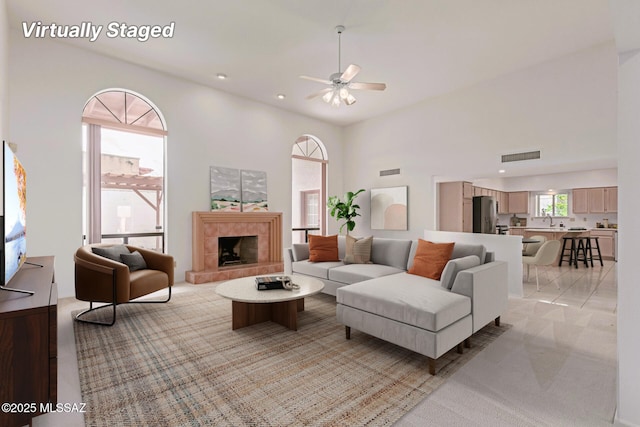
(208,226)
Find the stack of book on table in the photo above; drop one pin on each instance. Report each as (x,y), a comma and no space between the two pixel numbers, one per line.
(264,283)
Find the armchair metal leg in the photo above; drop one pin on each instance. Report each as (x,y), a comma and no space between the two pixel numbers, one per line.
(113,318)
(153,301)
(96,322)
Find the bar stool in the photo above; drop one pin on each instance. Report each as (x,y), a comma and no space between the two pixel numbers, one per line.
(582,251)
(576,247)
(572,250)
(589,249)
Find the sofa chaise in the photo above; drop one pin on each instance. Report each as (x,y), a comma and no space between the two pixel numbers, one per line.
(424,315)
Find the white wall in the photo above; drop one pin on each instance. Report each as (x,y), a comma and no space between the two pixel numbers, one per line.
(628,411)
(565,107)
(4,81)
(206,127)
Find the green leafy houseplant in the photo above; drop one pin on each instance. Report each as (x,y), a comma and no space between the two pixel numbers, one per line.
(346,209)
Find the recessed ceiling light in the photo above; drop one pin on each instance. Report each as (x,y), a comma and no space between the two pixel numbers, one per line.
(221,76)
(501,171)
(281,96)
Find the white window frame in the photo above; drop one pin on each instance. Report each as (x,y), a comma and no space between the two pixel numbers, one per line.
(553,214)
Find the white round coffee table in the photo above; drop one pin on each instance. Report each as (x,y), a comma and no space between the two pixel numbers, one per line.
(250,306)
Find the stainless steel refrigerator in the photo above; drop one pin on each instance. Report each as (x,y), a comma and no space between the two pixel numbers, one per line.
(485,216)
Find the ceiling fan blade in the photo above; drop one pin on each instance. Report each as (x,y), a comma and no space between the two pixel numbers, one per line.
(351,71)
(315,79)
(367,86)
(321,92)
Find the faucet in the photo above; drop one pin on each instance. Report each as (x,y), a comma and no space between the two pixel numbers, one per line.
(551,224)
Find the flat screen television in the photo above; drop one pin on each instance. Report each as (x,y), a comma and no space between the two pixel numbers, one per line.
(14,220)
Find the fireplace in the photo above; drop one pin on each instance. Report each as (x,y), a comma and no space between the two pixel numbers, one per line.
(254,245)
(237,250)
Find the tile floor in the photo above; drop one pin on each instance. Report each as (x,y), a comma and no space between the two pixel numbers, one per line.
(555,366)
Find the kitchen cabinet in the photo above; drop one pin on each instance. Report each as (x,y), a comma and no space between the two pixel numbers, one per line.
(516,231)
(595,200)
(519,202)
(467,190)
(549,235)
(455,210)
(467,215)
(503,202)
(579,201)
(611,199)
(606,242)
(595,197)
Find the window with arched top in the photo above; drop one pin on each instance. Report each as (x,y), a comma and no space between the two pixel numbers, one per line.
(308,195)
(124,110)
(124,170)
(307,147)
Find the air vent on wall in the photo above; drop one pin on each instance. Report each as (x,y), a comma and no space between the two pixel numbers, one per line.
(390,172)
(517,157)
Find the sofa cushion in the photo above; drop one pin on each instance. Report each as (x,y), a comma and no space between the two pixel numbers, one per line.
(323,248)
(354,273)
(315,269)
(300,251)
(454,266)
(406,298)
(391,252)
(461,250)
(412,254)
(358,250)
(143,282)
(431,258)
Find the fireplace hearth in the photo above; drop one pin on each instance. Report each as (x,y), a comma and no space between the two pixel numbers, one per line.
(254,247)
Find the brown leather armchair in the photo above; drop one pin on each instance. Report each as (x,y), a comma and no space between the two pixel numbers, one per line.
(103,280)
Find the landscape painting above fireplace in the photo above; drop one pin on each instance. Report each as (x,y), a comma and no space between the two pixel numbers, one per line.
(235,190)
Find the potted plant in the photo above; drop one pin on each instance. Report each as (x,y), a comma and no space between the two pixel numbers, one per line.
(346,209)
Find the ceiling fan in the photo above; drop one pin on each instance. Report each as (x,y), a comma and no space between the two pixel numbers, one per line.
(341,83)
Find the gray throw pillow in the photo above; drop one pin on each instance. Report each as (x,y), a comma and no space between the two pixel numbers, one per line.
(111,252)
(455,266)
(134,261)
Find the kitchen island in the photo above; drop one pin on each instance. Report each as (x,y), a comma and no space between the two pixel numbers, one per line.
(606,236)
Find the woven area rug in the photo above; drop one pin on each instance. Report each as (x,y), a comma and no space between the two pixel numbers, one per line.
(181,364)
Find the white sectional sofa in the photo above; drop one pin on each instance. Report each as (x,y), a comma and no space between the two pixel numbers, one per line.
(424,315)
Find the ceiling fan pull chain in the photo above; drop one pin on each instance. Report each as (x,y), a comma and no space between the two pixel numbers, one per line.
(339,49)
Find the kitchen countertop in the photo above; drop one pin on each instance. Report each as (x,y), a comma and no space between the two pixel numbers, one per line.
(560,229)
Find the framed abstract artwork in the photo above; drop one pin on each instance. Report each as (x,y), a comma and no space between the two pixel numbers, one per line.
(389,208)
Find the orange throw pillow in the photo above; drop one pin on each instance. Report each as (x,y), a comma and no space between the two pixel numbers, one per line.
(431,258)
(323,248)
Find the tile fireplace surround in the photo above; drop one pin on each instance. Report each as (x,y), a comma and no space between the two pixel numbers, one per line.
(208,226)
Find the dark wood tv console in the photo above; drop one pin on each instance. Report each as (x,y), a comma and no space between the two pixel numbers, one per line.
(28,343)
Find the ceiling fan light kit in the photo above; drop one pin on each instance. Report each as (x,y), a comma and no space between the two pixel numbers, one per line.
(341,83)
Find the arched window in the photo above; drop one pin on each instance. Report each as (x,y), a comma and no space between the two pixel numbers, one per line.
(124,169)
(309,195)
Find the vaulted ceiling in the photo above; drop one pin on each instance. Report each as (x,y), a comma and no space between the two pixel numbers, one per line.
(419,48)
